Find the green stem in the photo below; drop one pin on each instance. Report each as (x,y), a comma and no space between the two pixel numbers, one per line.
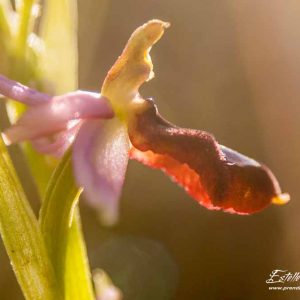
(62,233)
(22,237)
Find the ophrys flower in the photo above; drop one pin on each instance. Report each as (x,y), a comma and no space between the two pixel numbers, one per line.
(107,130)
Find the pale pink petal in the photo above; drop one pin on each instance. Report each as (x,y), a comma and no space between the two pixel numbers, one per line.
(100,157)
(58,144)
(53,116)
(17,91)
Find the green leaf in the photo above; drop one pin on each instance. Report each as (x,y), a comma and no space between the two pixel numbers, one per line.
(62,233)
(41,167)
(59,66)
(22,237)
(77,265)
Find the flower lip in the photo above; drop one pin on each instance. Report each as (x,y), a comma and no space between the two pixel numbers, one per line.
(216,176)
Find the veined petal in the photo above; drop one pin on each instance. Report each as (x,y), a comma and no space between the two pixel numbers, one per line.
(100,157)
(54,115)
(216,176)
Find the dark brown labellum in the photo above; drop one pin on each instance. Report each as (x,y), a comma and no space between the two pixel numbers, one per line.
(214,175)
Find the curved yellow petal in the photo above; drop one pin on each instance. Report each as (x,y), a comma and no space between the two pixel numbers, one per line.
(133,67)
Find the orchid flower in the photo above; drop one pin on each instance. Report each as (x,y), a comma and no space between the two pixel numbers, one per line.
(107,129)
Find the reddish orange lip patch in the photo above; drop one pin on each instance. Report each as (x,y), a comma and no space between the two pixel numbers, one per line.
(216,176)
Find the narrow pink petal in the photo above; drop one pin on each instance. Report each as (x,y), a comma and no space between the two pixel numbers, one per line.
(54,115)
(17,91)
(100,157)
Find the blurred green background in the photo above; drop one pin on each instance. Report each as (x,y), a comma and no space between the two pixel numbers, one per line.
(230,67)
